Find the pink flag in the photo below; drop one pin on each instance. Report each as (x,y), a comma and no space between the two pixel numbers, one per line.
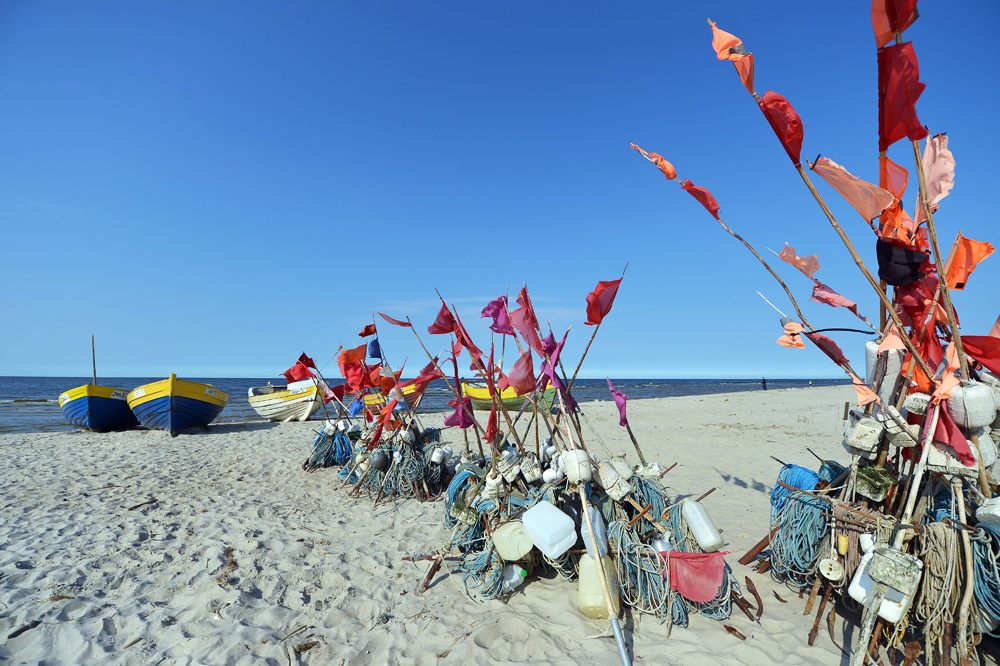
(497,310)
(939,170)
(525,322)
(552,362)
(394,322)
(808,265)
(620,399)
(866,198)
(828,347)
(824,294)
(696,576)
(600,300)
(522,376)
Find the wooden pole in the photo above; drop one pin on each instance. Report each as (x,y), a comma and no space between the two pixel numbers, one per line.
(93,357)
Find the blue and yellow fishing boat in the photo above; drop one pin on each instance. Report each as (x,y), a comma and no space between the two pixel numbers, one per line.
(98,408)
(175,404)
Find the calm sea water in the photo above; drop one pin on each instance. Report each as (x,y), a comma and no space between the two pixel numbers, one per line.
(31,404)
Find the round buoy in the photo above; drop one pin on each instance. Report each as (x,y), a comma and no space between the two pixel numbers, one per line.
(831,569)
(379,460)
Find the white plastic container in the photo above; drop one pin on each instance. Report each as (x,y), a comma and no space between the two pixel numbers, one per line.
(863,431)
(700,523)
(896,602)
(989,511)
(591,594)
(552,475)
(551,530)
(614,485)
(531,468)
(662,544)
(894,363)
(493,488)
(576,464)
(437,455)
(972,405)
(508,466)
(513,576)
(916,403)
(623,468)
(599,531)
(512,541)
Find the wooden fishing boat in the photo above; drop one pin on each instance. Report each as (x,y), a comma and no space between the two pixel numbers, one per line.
(98,408)
(295,402)
(175,404)
(374,398)
(479,393)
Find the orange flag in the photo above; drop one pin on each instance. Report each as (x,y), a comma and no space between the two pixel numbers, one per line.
(867,199)
(666,167)
(791,338)
(730,47)
(808,265)
(968,253)
(865,394)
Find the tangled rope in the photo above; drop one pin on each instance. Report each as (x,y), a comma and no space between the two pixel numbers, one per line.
(800,531)
(795,476)
(640,571)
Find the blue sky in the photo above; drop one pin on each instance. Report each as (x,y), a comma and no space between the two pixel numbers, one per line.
(213,188)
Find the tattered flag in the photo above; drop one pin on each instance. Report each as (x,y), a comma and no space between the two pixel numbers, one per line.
(899,88)
(704,197)
(620,401)
(785,122)
(600,300)
(808,265)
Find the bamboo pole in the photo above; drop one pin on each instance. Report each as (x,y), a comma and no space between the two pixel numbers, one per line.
(93,358)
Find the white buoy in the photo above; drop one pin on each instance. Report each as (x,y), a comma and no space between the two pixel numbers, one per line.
(972,405)
(576,464)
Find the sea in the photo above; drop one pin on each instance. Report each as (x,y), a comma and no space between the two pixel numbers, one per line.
(31,404)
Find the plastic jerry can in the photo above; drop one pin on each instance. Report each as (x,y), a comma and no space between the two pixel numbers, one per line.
(512,541)
(599,531)
(551,530)
(513,576)
(591,594)
(897,601)
(700,523)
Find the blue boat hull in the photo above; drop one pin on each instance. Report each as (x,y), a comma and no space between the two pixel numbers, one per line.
(175,413)
(99,414)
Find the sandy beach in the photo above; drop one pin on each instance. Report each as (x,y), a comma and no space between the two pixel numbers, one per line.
(216,548)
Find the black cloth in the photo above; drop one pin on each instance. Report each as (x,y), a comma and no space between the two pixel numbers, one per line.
(898,266)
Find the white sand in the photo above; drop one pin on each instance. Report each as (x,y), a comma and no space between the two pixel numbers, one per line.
(110,584)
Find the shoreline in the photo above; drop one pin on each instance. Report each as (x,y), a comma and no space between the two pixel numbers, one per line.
(241,547)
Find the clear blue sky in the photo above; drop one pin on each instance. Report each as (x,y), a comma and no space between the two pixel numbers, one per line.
(213,188)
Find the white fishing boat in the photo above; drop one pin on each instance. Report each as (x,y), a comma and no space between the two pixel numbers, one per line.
(295,402)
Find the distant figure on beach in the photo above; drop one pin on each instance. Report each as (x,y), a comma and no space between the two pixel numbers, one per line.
(810,383)
(763,383)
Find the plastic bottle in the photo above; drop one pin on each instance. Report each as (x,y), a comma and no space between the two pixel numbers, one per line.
(599,531)
(705,532)
(513,576)
(662,543)
(591,594)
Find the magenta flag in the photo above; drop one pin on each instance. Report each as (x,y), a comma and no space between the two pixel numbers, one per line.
(620,399)
(525,321)
(549,366)
(394,322)
(462,417)
(497,310)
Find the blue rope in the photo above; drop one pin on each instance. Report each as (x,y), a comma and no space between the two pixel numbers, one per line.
(795,476)
(795,545)
(985,552)
(830,471)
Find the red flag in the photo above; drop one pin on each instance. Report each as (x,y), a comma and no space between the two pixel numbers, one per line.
(948,432)
(394,322)
(785,123)
(306,361)
(704,197)
(444,323)
(466,340)
(899,88)
(600,300)
(462,416)
(497,310)
(522,375)
(985,349)
(297,372)
(491,426)
(891,16)
(967,256)
(808,265)
(385,416)
(367,330)
(352,366)
(352,355)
